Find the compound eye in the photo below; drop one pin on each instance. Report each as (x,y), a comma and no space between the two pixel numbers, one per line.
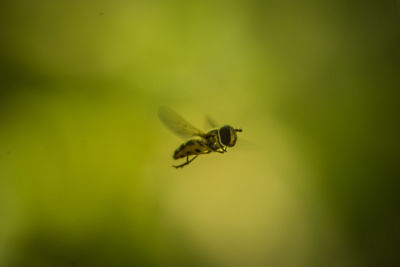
(225,135)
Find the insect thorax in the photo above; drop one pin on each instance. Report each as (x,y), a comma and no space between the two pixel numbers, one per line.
(213,141)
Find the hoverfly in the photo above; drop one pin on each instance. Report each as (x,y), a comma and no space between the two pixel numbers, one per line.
(215,140)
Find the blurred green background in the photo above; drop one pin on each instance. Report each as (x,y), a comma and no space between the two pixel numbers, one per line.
(85,164)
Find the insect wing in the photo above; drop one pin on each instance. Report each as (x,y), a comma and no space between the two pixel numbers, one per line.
(177,124)
(210,122)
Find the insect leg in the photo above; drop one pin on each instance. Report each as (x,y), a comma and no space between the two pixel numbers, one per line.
(221,150)
(186,163)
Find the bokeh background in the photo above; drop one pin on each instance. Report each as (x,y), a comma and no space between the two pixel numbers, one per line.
(85,163)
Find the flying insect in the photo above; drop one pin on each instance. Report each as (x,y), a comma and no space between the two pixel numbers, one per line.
(215,140)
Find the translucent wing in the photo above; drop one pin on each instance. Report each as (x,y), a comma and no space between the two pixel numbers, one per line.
(177,124)
(210,122)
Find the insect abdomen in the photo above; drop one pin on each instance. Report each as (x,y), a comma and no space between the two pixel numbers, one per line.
(191,147)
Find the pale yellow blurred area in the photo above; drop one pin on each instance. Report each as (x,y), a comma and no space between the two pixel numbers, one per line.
(252,206)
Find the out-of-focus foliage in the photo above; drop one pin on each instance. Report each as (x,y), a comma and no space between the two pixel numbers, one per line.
(85,164)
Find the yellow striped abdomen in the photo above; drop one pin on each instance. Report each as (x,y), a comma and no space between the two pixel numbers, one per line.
(191,147)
